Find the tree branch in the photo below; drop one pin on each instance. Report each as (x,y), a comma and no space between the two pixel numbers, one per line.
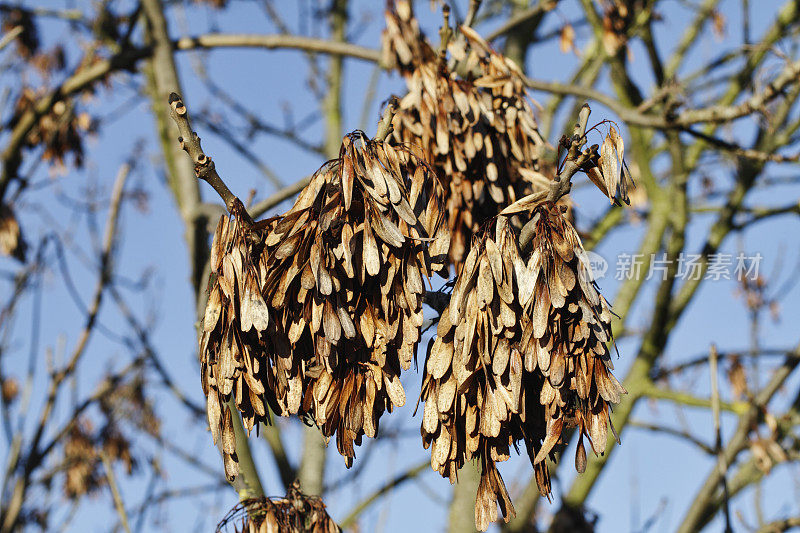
(779,526)
(674,432)
(270,42)
(722,465)
(702,507)
(11,510)
(522,17)
(204,167)
(112,484)
(350,519)
(651,390)
(383,131)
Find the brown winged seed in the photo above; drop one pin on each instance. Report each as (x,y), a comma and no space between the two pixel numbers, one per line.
(296,513)
(346,269)
(520,354)
(317,311)
(233,365)
(472,120)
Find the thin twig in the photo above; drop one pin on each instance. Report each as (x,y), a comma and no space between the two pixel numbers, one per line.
(521,18)
(721,463)
(242,149)
(292,42)
(393,483)
(778,526)
(112,484)
(445,31)
(562,183)
(674,432)
(703,505)
(35,456)
(713,114)
(474,6)
(9,37)
(276,198)
(385,125)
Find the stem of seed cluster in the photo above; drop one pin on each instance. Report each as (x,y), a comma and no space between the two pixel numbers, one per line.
(445,32)
(562,183)
(385,125)
(474,6)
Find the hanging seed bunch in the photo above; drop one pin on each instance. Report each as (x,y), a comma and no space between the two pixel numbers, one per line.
(82,457)
(471,118)
(296,513)
(566,333)
(473,387)
(12,242)
(233,361)
(608,171)
(345,277)
(60,132)
(520,355)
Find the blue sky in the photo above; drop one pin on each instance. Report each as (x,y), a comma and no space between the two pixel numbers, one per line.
(652,474)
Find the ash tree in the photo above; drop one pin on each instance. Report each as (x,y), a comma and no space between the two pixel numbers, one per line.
(536,242)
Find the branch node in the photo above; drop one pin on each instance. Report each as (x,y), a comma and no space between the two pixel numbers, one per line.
(385,127)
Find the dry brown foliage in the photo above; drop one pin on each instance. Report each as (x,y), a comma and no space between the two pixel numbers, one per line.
(296,513)
(83,470)
(11,241)
(60,132)
(317,311)
(520,355)
(472,119)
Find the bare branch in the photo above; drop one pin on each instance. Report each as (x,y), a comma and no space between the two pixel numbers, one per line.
(684,119)
(779,526)
(80,79)
(674,432)
(276,198)
(702,507)
(112,484)
(651,390)
(543,6)
(350,519)
(722,465)
(204,167)
(269,42)
(9,37)
(11,511)
(474,6)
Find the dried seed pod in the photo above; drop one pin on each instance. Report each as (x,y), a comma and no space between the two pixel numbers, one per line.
(296,513)
(608,169)
(233,365)
(12,242)
(519,355)
(60,132)
(83,472)
(472,121)
(477,403)
(569,331)
(344,277)
(82,475)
